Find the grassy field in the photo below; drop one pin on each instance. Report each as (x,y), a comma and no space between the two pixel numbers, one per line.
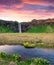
(17,38)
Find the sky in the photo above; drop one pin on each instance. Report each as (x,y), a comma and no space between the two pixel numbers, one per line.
(26,10)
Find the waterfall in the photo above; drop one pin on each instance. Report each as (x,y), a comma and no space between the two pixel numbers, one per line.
(19,25)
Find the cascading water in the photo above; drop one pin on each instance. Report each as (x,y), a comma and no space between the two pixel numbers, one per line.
(19,25)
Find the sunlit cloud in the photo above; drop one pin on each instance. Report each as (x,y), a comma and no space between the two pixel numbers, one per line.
(40,2)
(26,10)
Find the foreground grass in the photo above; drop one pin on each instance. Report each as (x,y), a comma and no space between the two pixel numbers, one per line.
(7,59)
(40,39)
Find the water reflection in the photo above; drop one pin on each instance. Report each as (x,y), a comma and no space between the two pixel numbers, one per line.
(31,53)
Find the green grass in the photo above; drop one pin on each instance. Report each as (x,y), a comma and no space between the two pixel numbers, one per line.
(5,59)
(4,29)
(39,45)
(29,45)
(16,60)
(4,62)
(39,39)
(43,29)
(36,61)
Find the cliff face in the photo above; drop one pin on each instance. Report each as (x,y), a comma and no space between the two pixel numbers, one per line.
(10,24)
(26,25)
(38,23)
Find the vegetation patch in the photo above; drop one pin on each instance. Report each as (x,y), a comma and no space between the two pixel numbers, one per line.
(42,40)
(29,45)
(39,45)
(6,59)
(41,29)
(4,29)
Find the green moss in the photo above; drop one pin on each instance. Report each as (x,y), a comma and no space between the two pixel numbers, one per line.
(29,45)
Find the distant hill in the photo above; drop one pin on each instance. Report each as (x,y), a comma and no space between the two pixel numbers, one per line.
(46,25)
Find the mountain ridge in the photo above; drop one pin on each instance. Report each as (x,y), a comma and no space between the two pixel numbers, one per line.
(27,25)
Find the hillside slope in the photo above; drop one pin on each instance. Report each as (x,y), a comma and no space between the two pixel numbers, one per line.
(4,29)
(43,29)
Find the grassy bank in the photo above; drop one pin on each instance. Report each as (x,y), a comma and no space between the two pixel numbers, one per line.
(6,59)
(16,38)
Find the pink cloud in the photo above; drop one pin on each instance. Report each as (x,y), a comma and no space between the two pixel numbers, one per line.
(25,15)
(13,13)
(38,2)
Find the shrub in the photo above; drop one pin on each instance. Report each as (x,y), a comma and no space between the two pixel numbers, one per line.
(37,61)
(16,57)
(40,61)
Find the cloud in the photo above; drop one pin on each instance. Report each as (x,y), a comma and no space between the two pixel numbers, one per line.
(25,10)
(34,2)
(50,8)
(10,2)
(40,2)
(25,15)
(37,8)
(26,4)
